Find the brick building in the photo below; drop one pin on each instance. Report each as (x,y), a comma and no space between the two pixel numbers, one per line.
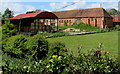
(116,20)
(94,16)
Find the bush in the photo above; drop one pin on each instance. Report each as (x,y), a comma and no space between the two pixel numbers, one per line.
(81,26)
(14,46)
(57,61)
(37,47)
(57,48)
(117,27)
(86,27)
(21,66)
(8,29)
(58,64)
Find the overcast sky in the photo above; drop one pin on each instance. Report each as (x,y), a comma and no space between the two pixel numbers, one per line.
(22,6)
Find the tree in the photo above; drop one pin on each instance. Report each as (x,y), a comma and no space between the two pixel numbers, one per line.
(0,15)
(37,10)
(7,14)
(113,11)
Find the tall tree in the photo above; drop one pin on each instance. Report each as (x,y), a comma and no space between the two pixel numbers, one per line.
(7,14)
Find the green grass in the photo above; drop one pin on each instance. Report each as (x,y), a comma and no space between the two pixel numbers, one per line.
(91,41)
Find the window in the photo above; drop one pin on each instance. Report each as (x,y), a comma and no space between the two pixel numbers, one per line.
(92,19)
(62,21)
(67,21)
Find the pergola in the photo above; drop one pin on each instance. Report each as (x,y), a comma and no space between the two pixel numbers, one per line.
(32,22)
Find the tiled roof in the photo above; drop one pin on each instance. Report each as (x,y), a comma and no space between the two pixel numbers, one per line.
(92,12)
(22,16)
(116,18)
(38,14)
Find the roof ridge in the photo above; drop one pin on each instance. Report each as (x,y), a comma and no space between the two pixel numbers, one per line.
(79,9)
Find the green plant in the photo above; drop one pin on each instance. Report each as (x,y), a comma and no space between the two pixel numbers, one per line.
(117,27)
(8,29)
(14,46)
(57,48)
(65,23)
(58,64)
(36,46)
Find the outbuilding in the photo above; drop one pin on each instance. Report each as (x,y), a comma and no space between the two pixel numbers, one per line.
(33,22)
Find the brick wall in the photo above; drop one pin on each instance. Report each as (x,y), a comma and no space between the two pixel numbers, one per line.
(98,22)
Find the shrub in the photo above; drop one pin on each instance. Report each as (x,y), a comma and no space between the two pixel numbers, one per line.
(21,66)
(57,48)
(117,27)
(8,29)
(37,47)
(14,46)
(87,27)
(57,64)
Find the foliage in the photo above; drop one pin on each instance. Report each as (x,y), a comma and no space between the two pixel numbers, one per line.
(37,46)
(62,27)
(81,26)
(65,23)
(7,14)
(86,27)
(0,14)
(19,46)
(117,27)
(8,29)
(58,64)
(113,11)
(14,46)
(37,10)
(18,66)
(57,48)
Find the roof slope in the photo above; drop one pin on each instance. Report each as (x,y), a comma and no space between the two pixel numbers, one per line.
(93,12)
(38,14)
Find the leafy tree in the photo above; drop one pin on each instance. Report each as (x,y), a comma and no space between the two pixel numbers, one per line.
(7,14)
(37,10)
(8,29)
(113,11)
(0,15)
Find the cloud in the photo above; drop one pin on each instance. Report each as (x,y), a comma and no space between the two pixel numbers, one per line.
(105,5)
(57,6)
(78,4)
(68,5)
(15,7)
(47,10)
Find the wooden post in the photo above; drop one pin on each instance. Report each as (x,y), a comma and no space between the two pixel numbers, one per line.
(19,25)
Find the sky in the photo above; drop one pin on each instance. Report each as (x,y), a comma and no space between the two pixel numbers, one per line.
(22,6)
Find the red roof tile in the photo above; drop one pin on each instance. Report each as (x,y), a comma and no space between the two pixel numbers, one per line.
(29,15)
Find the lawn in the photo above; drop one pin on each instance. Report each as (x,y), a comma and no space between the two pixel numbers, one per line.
(91,41)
